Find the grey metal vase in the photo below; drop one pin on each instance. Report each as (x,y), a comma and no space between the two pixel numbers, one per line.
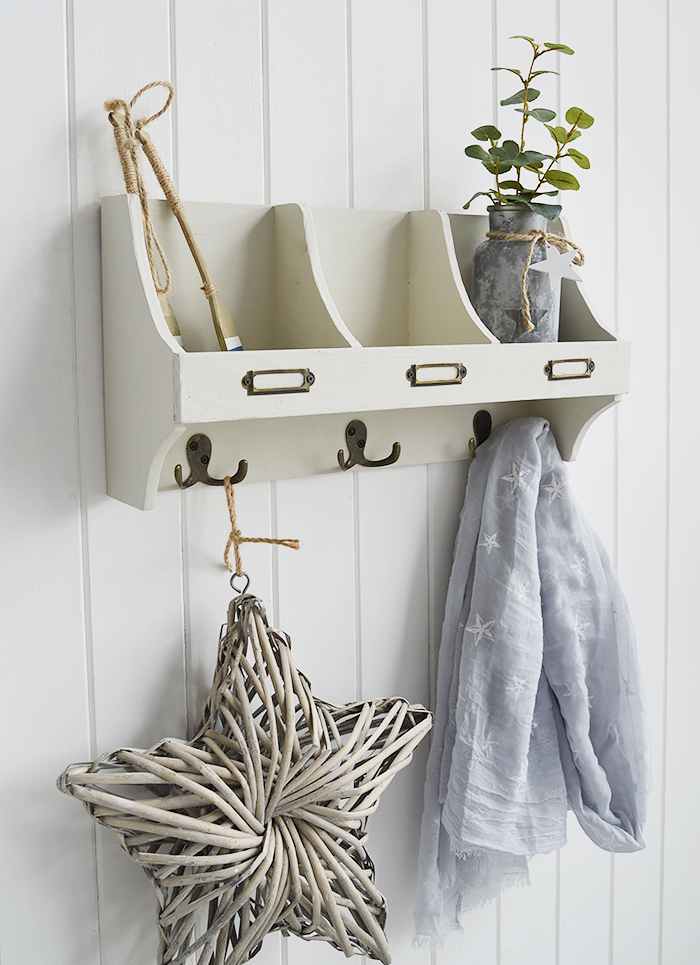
(497,279)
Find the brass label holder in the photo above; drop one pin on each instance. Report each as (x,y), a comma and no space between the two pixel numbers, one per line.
(248,381)
(459,369)
(553,375)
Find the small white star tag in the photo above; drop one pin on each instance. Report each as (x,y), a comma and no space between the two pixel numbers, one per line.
(557,265)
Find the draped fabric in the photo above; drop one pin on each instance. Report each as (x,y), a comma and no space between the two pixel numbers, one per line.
(539,701)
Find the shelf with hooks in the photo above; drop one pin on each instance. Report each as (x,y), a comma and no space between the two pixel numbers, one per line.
(342,314)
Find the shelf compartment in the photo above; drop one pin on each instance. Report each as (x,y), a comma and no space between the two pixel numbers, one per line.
(157,395)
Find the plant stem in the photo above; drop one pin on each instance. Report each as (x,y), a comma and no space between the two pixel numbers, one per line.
(557,157)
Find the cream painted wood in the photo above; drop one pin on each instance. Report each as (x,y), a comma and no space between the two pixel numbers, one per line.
(680,923)
(394,636)
(44,680)
(644,311)
(297,251)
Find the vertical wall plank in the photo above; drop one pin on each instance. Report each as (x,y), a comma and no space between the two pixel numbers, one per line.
(45,840)
(387,103)
(218,73)
(643,318)
(134,559)
(681,927)
(394,629)
(459,99)
(308,102)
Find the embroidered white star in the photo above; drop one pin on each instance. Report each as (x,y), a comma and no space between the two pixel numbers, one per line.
(484,749)
(580,627)
(522,590)
(579,567)
(517,686)
(481,629)
(489,542)
(557,264)
(516,477)
(555,489)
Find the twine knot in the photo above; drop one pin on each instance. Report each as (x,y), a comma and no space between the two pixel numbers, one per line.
(210,290)
(537,236)
(236,537)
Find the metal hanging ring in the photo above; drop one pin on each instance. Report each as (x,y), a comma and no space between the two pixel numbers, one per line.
(235,588)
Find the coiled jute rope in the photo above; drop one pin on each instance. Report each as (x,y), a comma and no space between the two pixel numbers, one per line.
(536,236)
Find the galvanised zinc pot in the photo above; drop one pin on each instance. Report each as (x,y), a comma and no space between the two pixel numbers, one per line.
(497,279)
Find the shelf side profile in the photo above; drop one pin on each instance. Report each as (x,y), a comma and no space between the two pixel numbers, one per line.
(140,358)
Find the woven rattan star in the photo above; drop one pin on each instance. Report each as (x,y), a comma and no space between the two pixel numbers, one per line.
(258,823)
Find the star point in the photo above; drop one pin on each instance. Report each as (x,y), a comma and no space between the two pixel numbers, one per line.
(557,265)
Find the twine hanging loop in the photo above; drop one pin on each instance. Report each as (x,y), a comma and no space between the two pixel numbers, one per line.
(127,135)
(236,537)
(537,236)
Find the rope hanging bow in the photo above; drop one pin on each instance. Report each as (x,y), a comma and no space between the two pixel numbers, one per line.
(537,236)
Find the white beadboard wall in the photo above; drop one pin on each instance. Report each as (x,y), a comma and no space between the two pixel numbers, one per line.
(110,616)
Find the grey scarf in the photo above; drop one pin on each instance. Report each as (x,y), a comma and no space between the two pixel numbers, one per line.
(539,702)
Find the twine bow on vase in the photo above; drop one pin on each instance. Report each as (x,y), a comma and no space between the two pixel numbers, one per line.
(515,304)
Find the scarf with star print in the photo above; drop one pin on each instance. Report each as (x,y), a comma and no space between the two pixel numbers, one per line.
(539,705)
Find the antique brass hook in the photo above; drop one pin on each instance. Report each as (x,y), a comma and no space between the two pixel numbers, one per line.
(199,457)
(356,439)
(482,430)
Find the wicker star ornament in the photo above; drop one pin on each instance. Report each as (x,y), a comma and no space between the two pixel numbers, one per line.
(258,823)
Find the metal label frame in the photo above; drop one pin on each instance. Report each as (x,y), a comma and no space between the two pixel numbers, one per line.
(248,381)
(412,373)
(553,377)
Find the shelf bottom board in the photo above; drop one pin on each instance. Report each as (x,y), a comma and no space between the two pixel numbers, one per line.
(308,445)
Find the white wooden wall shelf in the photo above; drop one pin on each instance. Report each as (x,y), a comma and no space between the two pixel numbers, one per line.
(341,314)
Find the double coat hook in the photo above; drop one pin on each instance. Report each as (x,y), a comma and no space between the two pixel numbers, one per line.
(356,439)
(199,457)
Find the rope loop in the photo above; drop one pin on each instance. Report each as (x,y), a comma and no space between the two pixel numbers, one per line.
(125,135)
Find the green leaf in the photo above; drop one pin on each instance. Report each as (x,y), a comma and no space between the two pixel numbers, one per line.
(487,194)
(562,180)
(486,133)
(536,73)
(521,97)
(509,185)
(522,37)
(550,211)
(576,116)
(506,152)
(491,167)
(535,166)
(477,151)
(539,113)
(531,157)
(511,70)
(558,133)
(580,159)
(562,48)
(574,134)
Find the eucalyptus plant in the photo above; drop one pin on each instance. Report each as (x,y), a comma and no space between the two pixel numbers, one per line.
(504,156)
